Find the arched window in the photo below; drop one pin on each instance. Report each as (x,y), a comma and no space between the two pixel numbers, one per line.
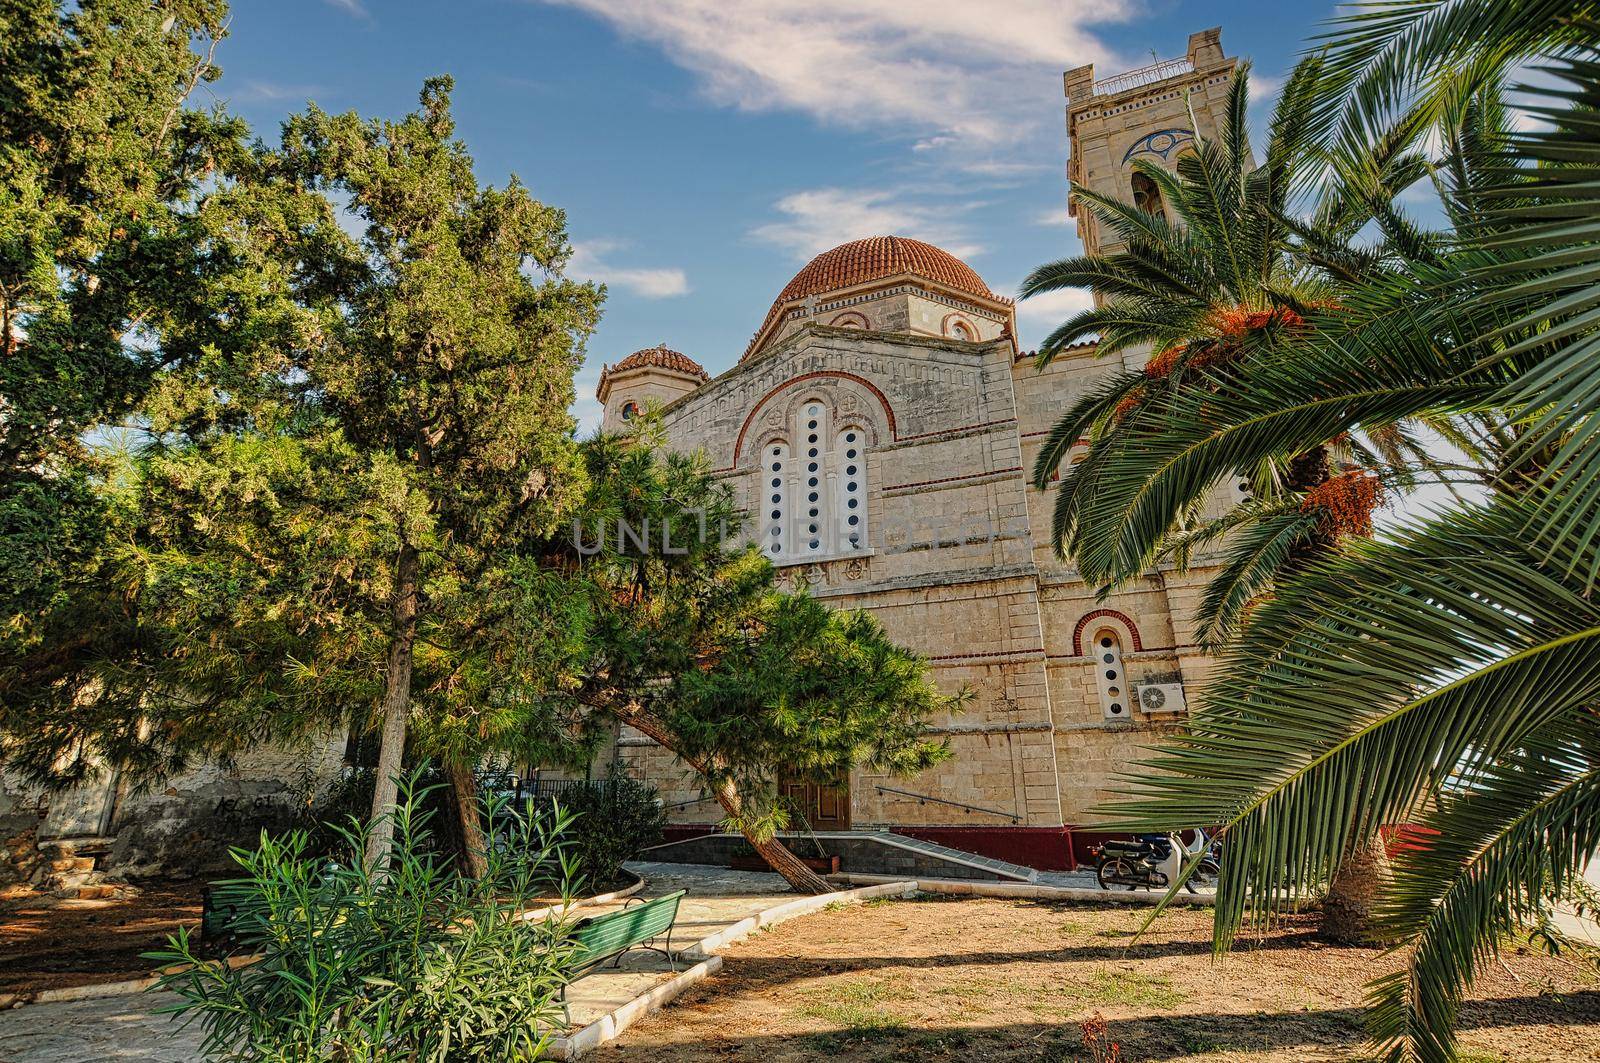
(775,495)
(812,429)
(851,520)
(630,410)
(1109,675)
(1146,196)
(815,493)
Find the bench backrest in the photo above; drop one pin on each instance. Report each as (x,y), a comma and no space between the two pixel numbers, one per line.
(605,935)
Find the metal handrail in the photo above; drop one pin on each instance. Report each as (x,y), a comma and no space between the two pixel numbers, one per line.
(1145,75)
(923,799)
(686,804)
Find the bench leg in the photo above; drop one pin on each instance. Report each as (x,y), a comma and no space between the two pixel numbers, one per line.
(665,953)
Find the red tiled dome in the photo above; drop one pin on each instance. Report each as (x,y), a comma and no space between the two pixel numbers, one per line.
(863,261)
(662,357)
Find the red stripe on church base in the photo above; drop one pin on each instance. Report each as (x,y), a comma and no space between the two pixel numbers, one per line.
(1044,848)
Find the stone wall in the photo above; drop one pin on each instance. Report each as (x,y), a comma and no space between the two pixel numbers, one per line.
(183,825)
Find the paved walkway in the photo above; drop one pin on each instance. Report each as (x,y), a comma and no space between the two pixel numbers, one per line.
(124,1028)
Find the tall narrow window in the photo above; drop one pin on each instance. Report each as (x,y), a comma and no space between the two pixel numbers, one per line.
(851,520)
(812,531)
(774,472)
(1110,677)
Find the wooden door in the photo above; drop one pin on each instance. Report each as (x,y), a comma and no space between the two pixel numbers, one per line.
(824,807)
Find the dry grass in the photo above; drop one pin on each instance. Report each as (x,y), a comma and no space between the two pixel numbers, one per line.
(997,980)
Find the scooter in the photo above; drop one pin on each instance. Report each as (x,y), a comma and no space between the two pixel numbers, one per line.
(1153,861)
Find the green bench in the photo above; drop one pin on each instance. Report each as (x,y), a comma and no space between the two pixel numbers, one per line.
(614,934)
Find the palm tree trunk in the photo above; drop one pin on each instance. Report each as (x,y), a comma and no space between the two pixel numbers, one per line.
(1357,883)
(464,789)
(1362,874)
(773,851)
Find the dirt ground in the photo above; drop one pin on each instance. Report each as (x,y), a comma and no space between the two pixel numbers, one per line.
(999,980)
(52,944)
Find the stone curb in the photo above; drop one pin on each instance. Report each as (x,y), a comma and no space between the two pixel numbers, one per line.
(131,986)
(97,990)
(528,915)
(1032,891)
(610,1025)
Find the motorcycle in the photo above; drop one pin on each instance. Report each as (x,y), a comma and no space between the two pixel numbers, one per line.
(1152,861)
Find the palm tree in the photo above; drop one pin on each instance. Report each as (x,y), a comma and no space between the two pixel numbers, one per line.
(1225,282)
(1446,674)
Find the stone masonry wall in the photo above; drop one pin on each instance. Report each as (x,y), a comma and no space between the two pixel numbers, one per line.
(185,824)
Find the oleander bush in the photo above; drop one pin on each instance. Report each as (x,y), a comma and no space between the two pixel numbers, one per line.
(417,962)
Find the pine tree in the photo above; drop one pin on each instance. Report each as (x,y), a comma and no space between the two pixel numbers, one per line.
(356,545)
(143,242)
(692,644)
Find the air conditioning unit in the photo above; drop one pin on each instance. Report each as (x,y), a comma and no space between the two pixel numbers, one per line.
(1158,698)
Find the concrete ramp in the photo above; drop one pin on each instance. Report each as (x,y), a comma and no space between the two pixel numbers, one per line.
(859,851)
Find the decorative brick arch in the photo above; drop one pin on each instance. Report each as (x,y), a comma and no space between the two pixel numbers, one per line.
(949,322)
(883,400)
(1104,614)
(851,319)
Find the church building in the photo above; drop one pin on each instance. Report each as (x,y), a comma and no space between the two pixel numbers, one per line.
(879,431)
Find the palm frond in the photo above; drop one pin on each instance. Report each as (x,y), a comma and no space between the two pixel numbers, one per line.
(1483,863)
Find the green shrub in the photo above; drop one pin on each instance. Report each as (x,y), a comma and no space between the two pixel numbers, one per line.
(613,820)
(414,963)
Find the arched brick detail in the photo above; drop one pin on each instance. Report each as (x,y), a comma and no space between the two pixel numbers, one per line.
(883,400)
(850,319)
(951,319)
(1102,614)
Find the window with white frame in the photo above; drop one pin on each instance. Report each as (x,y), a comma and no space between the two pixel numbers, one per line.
(851,518)
(815,492)
(775,493)
(1110,676)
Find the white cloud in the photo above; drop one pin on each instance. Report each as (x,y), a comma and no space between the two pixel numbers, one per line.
(1054,216)
(353,8)
(588,261)
(255,90)
(1038,316)
(820,218)
(947,72)
(1264,89)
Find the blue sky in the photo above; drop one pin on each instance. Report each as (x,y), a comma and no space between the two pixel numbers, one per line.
(705,149)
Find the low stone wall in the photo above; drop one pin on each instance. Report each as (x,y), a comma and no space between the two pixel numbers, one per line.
(184,825)
(860,852)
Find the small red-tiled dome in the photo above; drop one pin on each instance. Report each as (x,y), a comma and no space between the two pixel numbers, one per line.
(876,257)
(660,356)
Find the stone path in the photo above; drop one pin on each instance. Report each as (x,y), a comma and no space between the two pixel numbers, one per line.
(124,1028)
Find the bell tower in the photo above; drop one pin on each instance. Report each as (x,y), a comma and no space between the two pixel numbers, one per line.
(1140,114)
